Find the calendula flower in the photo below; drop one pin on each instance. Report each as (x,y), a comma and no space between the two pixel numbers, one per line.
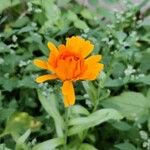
(70,63)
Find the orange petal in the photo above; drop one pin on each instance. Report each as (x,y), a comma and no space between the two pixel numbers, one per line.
(52,47)
(93,59)
(40,63)
(45,78)
(78,45)
(62,48)
(53,55)
(68,93)
(87,49)
(92,72)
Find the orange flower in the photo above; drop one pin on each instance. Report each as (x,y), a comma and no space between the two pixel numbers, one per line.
(69,63)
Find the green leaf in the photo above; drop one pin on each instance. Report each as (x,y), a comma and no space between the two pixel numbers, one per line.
(81,24)
(20,144)
(85,146)
(86,14)
(120,36)
(27,82)
(63,3)
(22,138)
(114,83)
(91,90)
(4,47)
(78,109)
(49,104)
(10,83)
(81,123)
(25,29)
(105,12)
(123,126)
(3,147)
(125,146)
(52,12)
(145,80)
(6,113)
(49,145)
(72,16)
(7,3)
(131,104)
(146,22)
(145,62)
(21,22)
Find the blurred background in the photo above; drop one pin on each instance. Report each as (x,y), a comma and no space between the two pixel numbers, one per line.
(31,114)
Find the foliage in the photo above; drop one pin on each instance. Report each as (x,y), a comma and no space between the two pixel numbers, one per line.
(111,112)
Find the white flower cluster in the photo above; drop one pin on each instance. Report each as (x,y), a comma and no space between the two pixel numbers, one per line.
(129,71)
(32,9)
(14,38)
(24,63)
(144,136)
(13,45)
(46,88)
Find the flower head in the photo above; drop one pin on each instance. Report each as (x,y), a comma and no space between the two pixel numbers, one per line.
(70,63)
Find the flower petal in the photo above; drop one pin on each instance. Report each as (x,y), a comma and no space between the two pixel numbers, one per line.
(92,72)
(52,47)
(87,49)
(46,77)
(53,55)
(93,59)
(68,93)
(40,63)
(78,45)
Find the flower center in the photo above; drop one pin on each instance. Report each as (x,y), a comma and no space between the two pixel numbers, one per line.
(69,66)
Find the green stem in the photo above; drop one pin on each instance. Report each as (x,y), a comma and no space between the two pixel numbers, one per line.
(103,82)
(67,114)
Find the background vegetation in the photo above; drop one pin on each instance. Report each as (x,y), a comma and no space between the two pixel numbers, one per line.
(111,113)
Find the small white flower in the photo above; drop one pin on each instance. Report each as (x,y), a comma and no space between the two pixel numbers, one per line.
(143,135)
(86,96)
(14,38)
(103,75)
(22,63)
(141,75)
(34,24)
(129,70)
(38,10)
(30,7)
